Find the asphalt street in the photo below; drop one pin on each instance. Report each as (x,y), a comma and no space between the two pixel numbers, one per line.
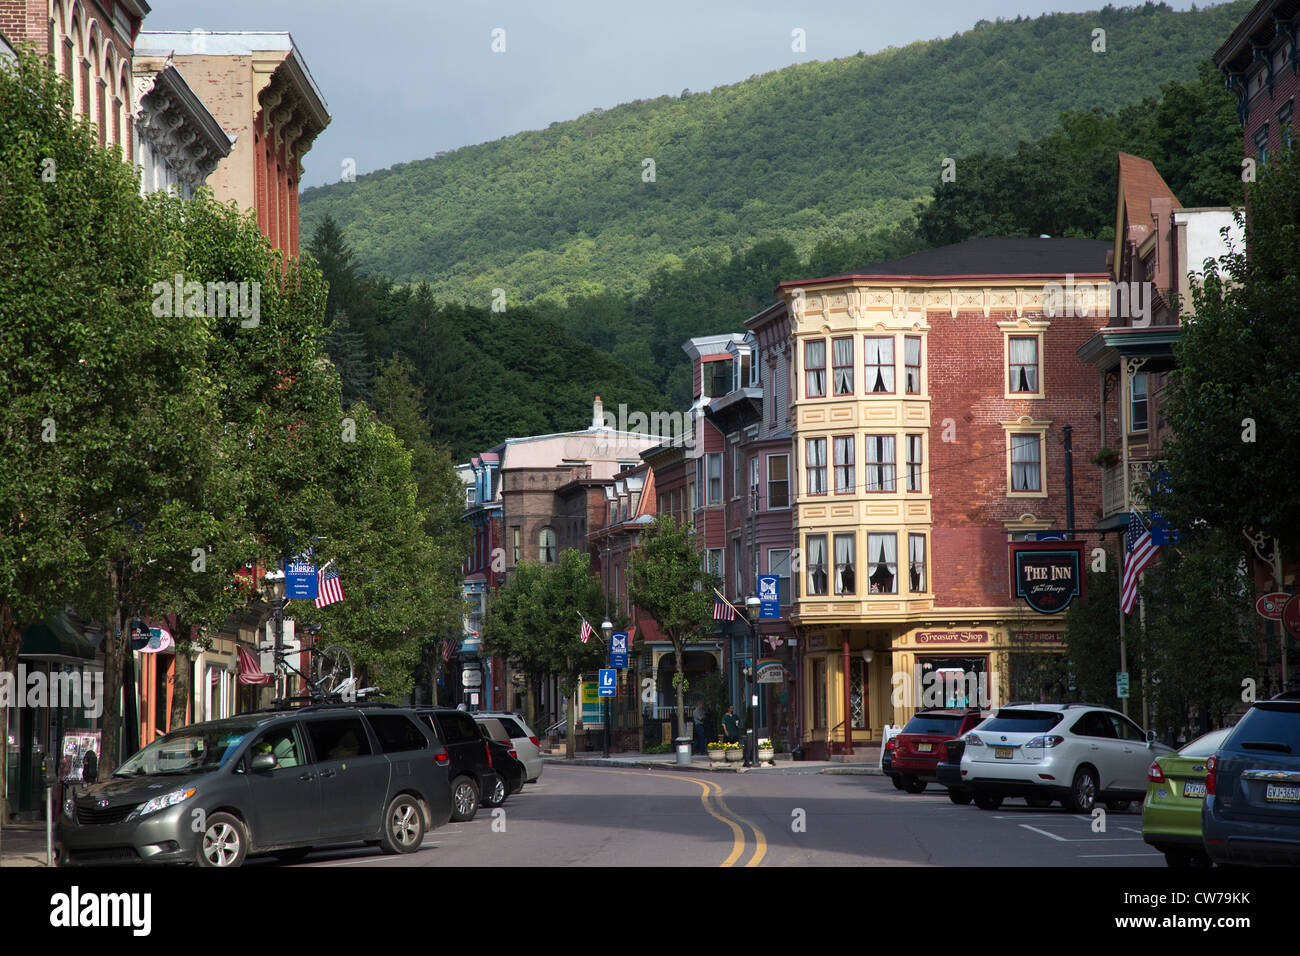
(587,816)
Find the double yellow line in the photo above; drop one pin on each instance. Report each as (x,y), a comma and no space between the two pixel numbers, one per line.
(710,790)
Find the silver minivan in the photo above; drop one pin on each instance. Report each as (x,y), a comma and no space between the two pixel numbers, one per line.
(503,726)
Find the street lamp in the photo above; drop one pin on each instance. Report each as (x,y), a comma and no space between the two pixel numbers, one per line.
(752,608)
(607,629)
(273,585)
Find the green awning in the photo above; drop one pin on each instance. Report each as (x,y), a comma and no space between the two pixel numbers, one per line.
(56,639)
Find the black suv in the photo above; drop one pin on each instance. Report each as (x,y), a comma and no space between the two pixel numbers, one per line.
(271,781)
(479,776)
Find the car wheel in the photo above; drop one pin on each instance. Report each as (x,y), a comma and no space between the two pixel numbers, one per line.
(987,801)
(403,826)
(959,797)
(464,799)
(1083,791)
(224,842)
(1039,803)
(913,785)
(292,855)
(897,781)
(1118,806)
(496,794)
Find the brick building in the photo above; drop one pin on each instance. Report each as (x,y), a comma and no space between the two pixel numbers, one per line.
(258,87)
(929,398)
(1261,61)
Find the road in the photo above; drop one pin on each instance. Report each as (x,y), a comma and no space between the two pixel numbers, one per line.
(588,816)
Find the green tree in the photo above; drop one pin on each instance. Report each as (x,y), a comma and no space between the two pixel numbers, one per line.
(1092,637)
(668,583)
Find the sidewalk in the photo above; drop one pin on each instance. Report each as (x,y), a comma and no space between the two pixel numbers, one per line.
(870,767)
(23,844)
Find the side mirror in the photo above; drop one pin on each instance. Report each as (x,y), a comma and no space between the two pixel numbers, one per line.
(262,763)
(1151,738)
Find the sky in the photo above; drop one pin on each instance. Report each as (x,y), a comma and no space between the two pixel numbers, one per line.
(405,79)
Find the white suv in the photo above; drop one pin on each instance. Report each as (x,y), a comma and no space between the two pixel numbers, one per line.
(503,726)
(1076,753)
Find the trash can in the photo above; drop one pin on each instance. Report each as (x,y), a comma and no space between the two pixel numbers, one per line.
(683,751)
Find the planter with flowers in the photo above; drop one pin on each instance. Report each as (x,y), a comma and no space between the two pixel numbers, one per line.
(717,752)
(734,754)
(766,753)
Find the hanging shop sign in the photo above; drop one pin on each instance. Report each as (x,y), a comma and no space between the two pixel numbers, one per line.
(1047,574)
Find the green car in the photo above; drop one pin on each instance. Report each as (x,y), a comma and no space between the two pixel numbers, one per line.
(1171,813)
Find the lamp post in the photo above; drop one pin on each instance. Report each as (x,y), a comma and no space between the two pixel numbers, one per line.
(752,608)
(274,584)
(607,629)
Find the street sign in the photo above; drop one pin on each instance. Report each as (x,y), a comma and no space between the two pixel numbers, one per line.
(770,671)
(1270,605)
(608,677)
(1291,618)
(471,677)
(300,577)
(769,593)
(1121,685)
(618,649)
(1050,536)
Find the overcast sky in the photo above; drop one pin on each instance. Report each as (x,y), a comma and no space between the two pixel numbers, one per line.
(405,79)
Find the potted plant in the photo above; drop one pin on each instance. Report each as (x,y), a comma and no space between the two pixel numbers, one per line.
(766,753)
(734,754)
(1105,457)
(717,752)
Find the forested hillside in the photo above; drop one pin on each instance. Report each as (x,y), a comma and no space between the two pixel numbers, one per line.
(820,152)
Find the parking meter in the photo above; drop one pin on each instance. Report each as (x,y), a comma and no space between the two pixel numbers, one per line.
(50,769)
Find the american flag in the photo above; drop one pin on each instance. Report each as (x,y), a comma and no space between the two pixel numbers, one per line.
(1138,555)
(723,611)
(586,632)
(448,648)
(329,587)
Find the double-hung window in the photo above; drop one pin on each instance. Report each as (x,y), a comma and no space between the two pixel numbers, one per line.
(844,465)
(878,459)
(1022,360)
(912,364)
(916,563)
(878,363)
(1138,403)
(817,564)
(1026,462)
(845,564)
(778,563)
(815,452)
(842,365)
(882,563)
(814,365)
(714,464)
(913,462)
(778,481)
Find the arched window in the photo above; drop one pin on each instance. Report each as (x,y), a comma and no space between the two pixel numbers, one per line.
(546,546)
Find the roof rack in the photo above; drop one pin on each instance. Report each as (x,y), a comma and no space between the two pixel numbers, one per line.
(299,704)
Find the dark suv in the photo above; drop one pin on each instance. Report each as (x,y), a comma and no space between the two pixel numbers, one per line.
(1251,812)
(914,753)
(477,777)
(273,781)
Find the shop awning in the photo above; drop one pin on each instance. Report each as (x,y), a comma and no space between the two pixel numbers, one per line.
(57,639)
(249,671)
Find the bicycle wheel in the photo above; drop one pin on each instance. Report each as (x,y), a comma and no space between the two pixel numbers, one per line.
(333,669)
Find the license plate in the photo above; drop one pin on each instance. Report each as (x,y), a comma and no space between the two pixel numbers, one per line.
(1004,753)
(1276,791)
(924,748)
(1193,789)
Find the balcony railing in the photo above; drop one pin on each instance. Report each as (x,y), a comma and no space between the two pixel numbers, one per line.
(1112,486)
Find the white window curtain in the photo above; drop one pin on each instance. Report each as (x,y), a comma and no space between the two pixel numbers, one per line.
(844,465)
(913,462)
(844,564)
(815,368)
(882,559)
(880,463)
(1024,364)
(816,466)
(1024,463)
(843,362)
(916,560)
(912,359)
(817,564)
(879,364)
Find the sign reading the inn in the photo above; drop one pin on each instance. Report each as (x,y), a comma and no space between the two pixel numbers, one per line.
(1047,574)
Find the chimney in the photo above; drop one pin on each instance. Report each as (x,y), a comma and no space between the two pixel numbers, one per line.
(597,414)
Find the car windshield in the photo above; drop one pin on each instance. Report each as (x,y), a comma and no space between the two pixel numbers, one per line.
(1205,745)
(196,749)
(933,724)
(1022,721)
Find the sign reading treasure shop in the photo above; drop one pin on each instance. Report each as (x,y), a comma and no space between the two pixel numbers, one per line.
(1047,574)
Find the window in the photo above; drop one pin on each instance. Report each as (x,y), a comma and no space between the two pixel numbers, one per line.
(397,733)
(916,563)
(778,563)
(844,481)
(882,563)
(283,744)
(778,481)
(1137,403)
(878,459)
(1261,144)
(514,542)
(338,738)
(753,483)
(819,693)
(714,462)
(816,467)
(845,564)
(842,359)
(716,378)
(738,562)
(1284,123)
(753,369)
(814,364)
(878,361)
(737,472)
(912,368)
(546,546)
(713,562)
(1023,363)
(817,564)
(1026,462)
(913,462)
(693,502)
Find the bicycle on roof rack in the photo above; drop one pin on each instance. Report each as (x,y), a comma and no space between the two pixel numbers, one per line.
(333,679)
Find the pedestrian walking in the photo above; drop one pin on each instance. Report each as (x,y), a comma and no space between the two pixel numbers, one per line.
(730,725)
